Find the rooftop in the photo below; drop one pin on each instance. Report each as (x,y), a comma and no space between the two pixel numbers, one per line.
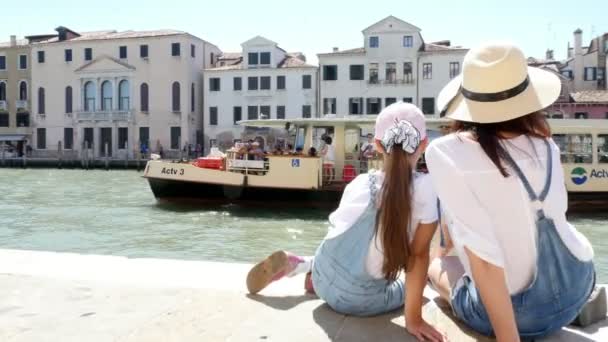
(590,96)
(234,61)
(113,34)
(20,43)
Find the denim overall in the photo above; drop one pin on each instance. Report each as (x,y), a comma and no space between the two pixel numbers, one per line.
(339,276)
(561,285)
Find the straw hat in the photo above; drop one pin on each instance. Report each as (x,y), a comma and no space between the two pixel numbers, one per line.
(497,85)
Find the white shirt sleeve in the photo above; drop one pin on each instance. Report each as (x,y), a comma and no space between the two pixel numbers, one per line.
(355,200)
(472,226)
(425,200)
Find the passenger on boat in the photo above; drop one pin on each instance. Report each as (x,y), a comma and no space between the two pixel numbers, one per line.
(312,152)
(368,152)
(256,152)
(328,153)
(521,270)
(382,228)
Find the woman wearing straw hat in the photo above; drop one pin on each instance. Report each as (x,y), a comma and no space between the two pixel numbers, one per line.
(521,269)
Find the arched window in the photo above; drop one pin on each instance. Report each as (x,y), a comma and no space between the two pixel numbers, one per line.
(2,91)
(176,97)
(68,99)
(192,99)
(106,96)
(23,91)
(124,96)
(143,94)
(41,101)
(89,96)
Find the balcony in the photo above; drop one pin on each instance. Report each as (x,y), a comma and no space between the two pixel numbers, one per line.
(109,115)
(21,105)
(3,106)
(391,82)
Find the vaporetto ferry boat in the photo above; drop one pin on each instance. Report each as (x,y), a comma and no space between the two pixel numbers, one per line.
(300,179)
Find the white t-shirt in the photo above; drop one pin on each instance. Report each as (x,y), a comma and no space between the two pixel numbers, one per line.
(492,215)
(355,200)
(330,154)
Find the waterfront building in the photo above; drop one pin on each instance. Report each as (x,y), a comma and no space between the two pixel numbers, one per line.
(394,64)
(115,91)
(15,94)
(263,81)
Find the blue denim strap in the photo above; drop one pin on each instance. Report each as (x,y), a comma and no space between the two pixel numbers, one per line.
(441,237)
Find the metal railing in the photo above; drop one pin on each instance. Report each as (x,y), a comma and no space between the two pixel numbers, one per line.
(110,115)
(3,106)
(21,104)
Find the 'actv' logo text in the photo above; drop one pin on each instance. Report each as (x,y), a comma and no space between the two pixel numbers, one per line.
(579,175)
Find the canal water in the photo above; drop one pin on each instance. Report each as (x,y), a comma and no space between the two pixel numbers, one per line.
(114,212)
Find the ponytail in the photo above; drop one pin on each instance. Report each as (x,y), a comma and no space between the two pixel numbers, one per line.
(394,214)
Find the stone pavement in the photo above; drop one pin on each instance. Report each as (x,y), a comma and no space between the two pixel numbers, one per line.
(48,296)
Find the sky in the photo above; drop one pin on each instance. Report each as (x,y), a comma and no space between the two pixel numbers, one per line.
(315,26)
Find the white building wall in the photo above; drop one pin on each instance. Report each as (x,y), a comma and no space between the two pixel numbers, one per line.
(159,71)
(440,61)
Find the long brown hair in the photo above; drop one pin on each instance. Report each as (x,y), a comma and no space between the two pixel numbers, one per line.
(393,217)
(488,135)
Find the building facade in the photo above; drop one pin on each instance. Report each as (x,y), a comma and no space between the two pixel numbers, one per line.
(15,94)
(263,81)
(395,64)
(114,93)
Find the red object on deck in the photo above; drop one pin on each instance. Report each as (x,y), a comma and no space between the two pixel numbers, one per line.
(348,173)
(215,163)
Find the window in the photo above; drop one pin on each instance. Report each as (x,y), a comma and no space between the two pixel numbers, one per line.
(40,56)
(408,41)
(454,69)
(175,96)
(602,148)
(143,97)
(265,58)
(590,74)
(389,101)
(143,51)
(68,138)
(2,91)
(575,148)
(567,73)
(264,112)
(41,101)
(357,72)
(124,95)
(88,137)
(252,112)
(355,105)
(280,112)
(192,98)
(329,105)
(41,138)
(88,54)
(193,52)
(428,105)
(123,138)
(374,105)
(122,52)
(67,54)
(237,83)
(212,116)
(23,91)
(330,72)
(144,136)
(214,84)
(89,96)
(391,73)
(373,73)
(106,96)
(176,134)
(4,120)
(23,119)
(407,100)
(237,114)
(306,81)
(374,41)
(601,73)
(68,99)
(22,62)
(2,62)
(175,49)
(252,58)
(280,82)
(212,58)
(265,82)
(427,71)
(252,83)
(306,111)
(581,115)
(407,72)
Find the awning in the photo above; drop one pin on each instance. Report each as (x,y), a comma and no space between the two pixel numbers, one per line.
(12,137)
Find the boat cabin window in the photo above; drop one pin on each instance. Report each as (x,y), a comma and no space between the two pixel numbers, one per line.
(575,148)
(602,148)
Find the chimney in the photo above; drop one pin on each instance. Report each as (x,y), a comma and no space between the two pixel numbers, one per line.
(335,49)
(13,41)
(578,60)
(549,55)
